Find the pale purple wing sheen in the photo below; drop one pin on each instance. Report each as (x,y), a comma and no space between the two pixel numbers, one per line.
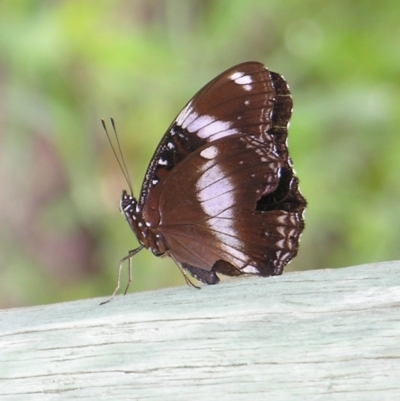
(208,209)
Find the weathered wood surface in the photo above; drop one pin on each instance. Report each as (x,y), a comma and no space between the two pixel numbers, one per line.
(315,335)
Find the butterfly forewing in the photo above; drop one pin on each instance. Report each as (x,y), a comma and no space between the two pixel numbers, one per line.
(238,101)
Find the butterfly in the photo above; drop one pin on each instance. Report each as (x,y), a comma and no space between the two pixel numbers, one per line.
(220,195)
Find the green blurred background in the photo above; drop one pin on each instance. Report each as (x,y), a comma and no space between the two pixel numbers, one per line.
(66,64)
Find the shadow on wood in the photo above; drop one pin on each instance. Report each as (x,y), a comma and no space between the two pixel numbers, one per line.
(314,335)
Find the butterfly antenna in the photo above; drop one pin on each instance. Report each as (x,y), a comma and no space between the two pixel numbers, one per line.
(119,156)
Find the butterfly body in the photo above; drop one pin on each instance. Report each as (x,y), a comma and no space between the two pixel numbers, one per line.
(220,194)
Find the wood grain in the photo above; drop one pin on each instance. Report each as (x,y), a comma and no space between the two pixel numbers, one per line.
(314,335)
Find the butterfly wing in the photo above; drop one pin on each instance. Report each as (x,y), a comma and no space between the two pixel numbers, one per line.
(220,193)
(239,101)
(209,211)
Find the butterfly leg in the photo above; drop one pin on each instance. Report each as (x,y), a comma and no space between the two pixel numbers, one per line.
(188,282)
(121,263)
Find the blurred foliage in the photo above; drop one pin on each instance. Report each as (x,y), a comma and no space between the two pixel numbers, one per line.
(66,64)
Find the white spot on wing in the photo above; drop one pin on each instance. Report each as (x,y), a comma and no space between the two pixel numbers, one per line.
(250,270)
(205,127)
(189,118)
(215,192)
(236,75)
(183,114)
(209,153)
(199,122)
(242,79)
(217,129)
(281,230)
(162,162)
(281,243)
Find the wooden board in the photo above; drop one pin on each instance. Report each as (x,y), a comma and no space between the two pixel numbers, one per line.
(314,335)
